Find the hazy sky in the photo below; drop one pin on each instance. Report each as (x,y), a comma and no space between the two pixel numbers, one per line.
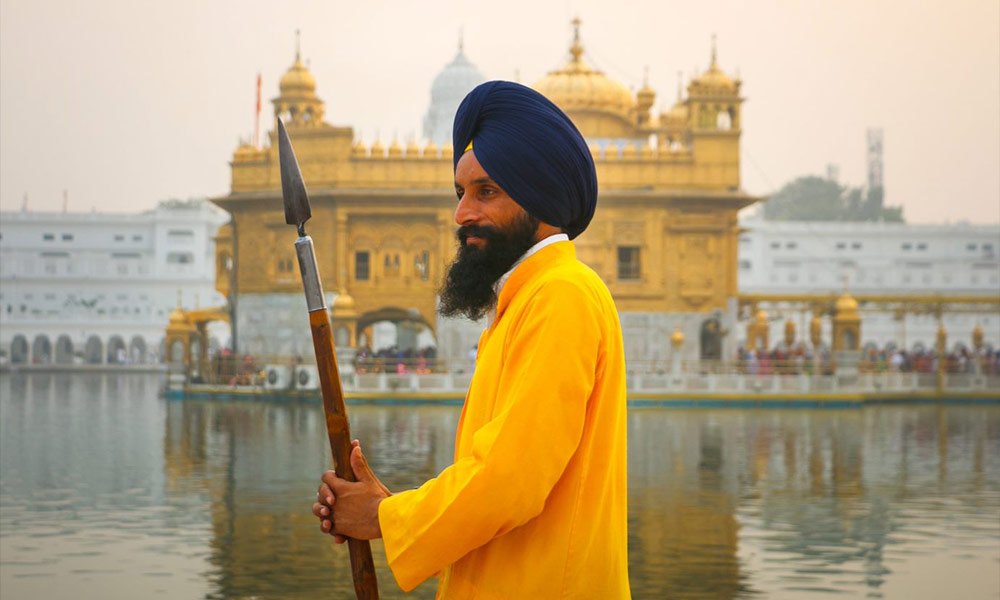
(127,102)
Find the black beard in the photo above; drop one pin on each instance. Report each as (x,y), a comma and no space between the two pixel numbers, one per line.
(468,286)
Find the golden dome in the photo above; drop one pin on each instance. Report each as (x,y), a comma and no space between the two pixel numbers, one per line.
(846,304)
(677,338)
(177,317)
(395,149)
(577,86)
(378,150)
(297,80)
(343,302)
(412,149)
(359,149)
(430,150)
(762,316)
(677,115)
(714,81)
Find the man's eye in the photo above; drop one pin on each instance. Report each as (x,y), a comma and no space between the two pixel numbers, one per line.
(486,191)
(459,193)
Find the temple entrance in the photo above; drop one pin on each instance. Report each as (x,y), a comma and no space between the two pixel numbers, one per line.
(711,340)
(395,340)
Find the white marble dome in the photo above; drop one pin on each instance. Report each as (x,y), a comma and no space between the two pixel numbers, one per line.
(449,88)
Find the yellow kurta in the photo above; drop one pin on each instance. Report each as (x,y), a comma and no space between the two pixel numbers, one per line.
(535,504)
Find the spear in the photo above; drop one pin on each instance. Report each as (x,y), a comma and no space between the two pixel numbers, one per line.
(297,212)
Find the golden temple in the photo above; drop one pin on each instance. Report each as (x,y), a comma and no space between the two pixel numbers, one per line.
(664,237)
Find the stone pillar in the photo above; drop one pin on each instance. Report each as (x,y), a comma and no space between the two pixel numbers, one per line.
(676,342)
(977,349)
(942,360)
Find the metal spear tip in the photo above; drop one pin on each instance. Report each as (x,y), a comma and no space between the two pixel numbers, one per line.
(293,188)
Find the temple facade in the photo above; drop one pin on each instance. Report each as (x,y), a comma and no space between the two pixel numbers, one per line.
(664,237)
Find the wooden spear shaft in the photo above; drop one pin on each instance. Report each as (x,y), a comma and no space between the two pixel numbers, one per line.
(297,212)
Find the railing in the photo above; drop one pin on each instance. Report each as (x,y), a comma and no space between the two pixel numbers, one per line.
(709,378)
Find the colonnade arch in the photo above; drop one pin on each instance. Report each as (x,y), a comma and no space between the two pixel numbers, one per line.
(41,350)
(117,353)
(93,350)
(64,350)
(19,350)
(137,349)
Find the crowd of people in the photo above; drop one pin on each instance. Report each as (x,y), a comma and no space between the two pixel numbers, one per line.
(396,360)
(800,359)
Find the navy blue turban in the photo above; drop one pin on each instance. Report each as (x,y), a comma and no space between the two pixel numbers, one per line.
(532,150)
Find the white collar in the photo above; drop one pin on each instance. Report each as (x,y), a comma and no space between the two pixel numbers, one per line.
(498,286)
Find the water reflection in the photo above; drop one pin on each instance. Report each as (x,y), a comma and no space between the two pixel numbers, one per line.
(105,487)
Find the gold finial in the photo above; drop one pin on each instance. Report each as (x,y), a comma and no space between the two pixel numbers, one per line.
(645,76)
(298,46)
(714,61)
(844,279)
(576,49)
(461,39)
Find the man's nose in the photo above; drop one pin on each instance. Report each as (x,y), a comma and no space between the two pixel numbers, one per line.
(465,212)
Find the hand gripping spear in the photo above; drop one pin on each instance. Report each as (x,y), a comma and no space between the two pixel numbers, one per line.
(297,212)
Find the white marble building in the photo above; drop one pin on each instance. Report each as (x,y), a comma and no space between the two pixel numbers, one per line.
(796,257)
(99,288)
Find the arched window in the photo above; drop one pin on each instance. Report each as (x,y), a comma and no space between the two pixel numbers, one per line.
(723,120)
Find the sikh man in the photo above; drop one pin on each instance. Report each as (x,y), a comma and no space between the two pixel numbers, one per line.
(534,505)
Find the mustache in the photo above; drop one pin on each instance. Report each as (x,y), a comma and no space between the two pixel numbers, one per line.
(483,232)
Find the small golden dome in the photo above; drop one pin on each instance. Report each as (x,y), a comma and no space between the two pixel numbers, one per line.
(628,152)
(343,302)
(677,115)
(761,316)
(359,150)
(595,151)
(412,149)
(646,96)
(611,152)
(395,149)
(577,86)
(297,80)
(846,304)
(177,317)
(646,152)
(447,151)
(715,78)
(431,150)
(677,338)
(378,150)
(714,81)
